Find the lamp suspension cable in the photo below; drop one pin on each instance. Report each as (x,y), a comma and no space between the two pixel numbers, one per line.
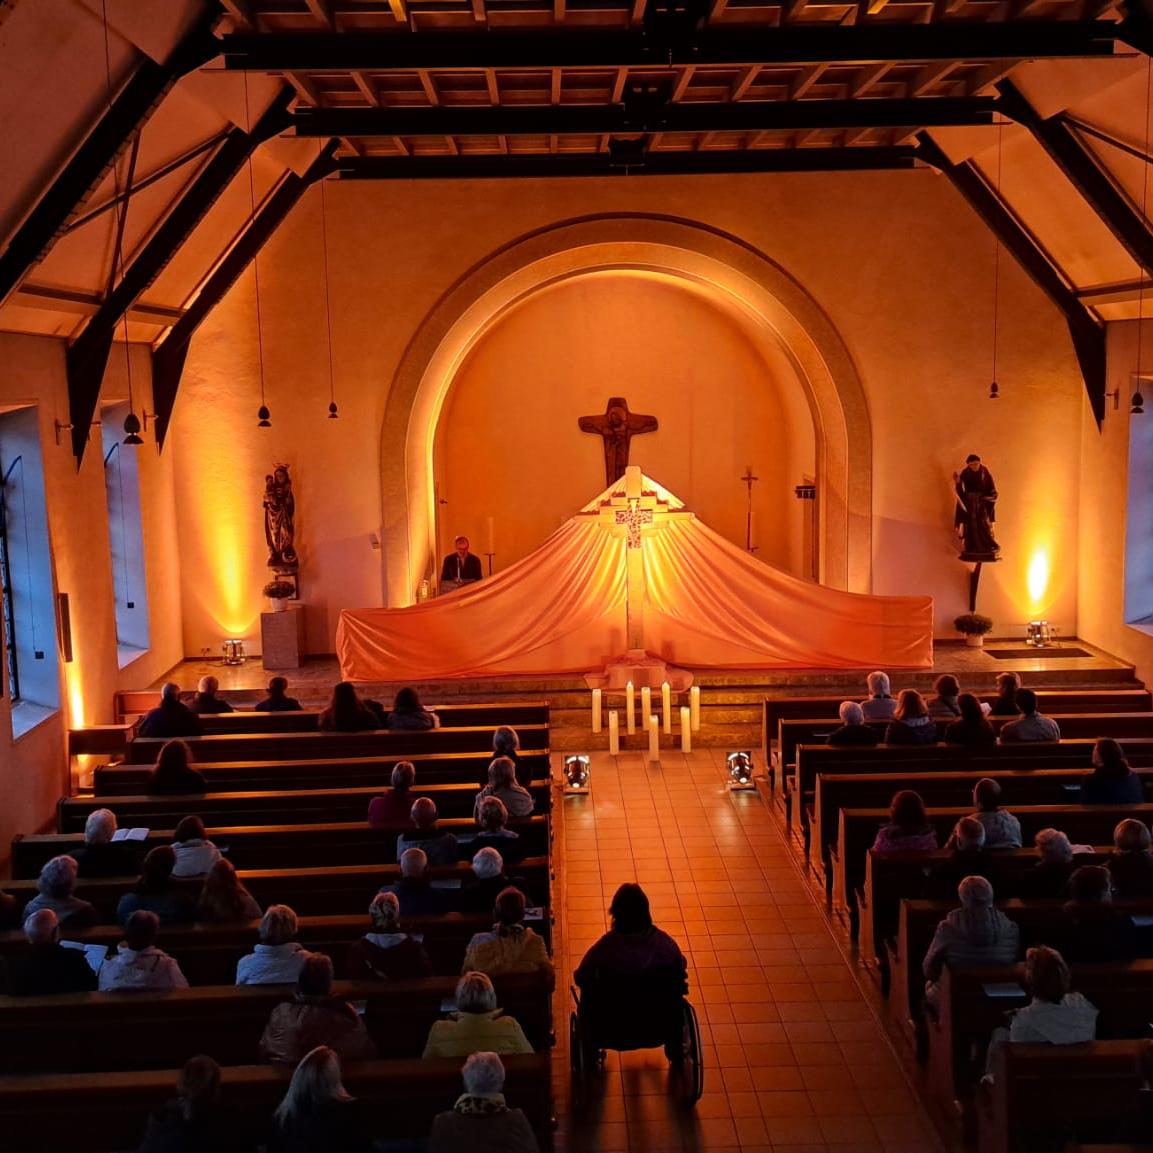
(263,416)
(131,421)
(332,411)
(1137,405)
(994,388)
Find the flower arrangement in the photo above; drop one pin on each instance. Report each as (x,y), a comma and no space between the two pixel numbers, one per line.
(973,624)
(278,590)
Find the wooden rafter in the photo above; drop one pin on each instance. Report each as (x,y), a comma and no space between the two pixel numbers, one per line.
(306,90)
(869,77)
(929,75)
(321,11)
(638,11)
(242,12)
(399,11)
(555,86)
(367,89)
(744,82)
(684,79)
(426,82)
(619,82)
(806,80)
(492,86)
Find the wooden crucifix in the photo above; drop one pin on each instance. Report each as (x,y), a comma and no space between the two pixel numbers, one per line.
(617,426)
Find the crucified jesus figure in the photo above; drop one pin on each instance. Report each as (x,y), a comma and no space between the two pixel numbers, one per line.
(617,426)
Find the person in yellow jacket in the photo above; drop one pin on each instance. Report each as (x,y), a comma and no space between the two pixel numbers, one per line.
(511,947)
(477,1025)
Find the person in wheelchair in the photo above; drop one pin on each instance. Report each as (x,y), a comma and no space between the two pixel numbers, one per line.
(633,982)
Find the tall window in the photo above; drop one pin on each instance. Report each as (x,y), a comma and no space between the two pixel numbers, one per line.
(1139,537)
(29,601)
(126,536)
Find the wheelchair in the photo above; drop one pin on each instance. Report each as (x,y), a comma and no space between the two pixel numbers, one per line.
(627,1023)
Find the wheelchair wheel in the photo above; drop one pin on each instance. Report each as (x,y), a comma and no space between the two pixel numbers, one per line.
(692,1072)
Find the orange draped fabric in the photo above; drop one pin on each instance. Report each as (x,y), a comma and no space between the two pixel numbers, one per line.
(562,609)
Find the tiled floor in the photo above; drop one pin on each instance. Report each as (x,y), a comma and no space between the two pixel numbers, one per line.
(794,1060)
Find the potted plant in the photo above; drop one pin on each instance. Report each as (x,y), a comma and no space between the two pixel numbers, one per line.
(278,592)
(974,626)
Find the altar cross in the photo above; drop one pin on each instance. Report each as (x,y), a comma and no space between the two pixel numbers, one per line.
(632,518)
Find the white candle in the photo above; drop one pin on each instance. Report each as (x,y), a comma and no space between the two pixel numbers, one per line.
(630,708)
(666,706)
(686,730)
(490,537)
(614,733)
(695,706)
(654,739)
(646,706)
(596,710)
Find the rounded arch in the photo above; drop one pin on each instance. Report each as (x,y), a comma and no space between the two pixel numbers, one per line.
(776,307)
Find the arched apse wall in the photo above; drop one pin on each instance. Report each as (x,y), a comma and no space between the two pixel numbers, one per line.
(779,313)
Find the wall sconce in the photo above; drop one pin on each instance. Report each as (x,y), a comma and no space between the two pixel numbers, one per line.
(1038,634)
(234,651)
(577,771)
(61,428)
(740,766)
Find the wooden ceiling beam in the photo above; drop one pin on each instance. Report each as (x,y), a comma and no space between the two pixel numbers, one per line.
(744,82)
(321,11)
(869,77)
(430,92)
(492,87)
(807,79)
(929,75)
(306,90)
(367,89)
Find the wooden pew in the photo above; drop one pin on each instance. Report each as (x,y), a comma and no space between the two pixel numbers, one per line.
(311,890)
(337,746)
(208,953)
(106,1112)
(285,846)
(857,829)
(289,807)
(1042,1096)
(958,1033)
(122,778)
(88,1032)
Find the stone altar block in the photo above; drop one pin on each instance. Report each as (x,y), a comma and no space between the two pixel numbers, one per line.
(282,638)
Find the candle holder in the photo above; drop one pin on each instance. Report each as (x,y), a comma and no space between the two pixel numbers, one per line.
(234,651)
(577,771)
(740,766)
(488,556)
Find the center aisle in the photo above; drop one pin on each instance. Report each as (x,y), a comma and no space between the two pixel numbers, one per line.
(795,1061)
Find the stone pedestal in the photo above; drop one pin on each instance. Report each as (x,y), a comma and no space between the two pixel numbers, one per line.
(641,668)
(282,638)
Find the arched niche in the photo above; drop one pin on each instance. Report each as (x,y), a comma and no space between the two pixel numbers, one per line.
(776,308)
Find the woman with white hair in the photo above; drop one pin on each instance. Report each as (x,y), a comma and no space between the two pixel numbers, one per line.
(476,1026)
(278,957)
(511,947)
(492,819)
(480,1121)
(853,730)
(880,706)
(502,784)
(100,856)
(1049,877)
(57,891)
(479,895)
(317,1115)
(506,743)
(387,953)
(976,934)
(1130,864)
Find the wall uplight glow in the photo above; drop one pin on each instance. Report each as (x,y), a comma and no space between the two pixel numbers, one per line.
(1037,579)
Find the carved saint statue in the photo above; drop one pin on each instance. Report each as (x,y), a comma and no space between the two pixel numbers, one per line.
(976,511)
(280,518)
(617,426)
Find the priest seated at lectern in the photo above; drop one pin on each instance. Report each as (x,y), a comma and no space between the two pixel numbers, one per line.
(460,567)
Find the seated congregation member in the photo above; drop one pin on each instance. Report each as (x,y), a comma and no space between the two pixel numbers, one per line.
(853,731)
(315,1017)
(1049,877)
(909,828)
(157,892)
(57,891)
(945,705)
(1112,781)
(9,912)
(489,881)
(278,700)
(879,706)
(173,774)
(409,715)
(318,1115)
(206,699)
(506,743)
(1005,702)
(138,965)
(476,1026)
(1031,725)
(171,718)
(440,848)
(100,856)
(387,953)
(480,1121)
(492,818)
(1002,829)
(346,712)
(195,853)
(1091,930)
(502,784)
(194,1121)
(967,858)
(911,723)
(511,947)
(46,967)
(1130,864)
(224,898)
(972,728)
(976,934)
(392,810)
(277,957)
(414,890)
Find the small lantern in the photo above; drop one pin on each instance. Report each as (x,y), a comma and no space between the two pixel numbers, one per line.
(577,771)
(740,766)
(1038,634)
(234,651)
